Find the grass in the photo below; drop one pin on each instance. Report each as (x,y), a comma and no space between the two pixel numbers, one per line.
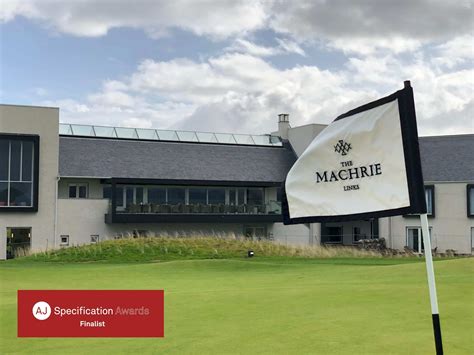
(173,248)
(265,305)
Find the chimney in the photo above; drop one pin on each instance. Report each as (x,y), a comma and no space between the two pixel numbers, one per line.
(283,125)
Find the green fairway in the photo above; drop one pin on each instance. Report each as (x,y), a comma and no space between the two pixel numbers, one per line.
(264,306)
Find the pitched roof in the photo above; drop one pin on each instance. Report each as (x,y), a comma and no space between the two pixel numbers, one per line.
(447,158)
(443,158)
(102,158)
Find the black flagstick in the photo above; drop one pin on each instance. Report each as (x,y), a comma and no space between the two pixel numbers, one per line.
(430,273)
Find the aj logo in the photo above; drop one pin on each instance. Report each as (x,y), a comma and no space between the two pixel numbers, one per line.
(41,310)
(342,147)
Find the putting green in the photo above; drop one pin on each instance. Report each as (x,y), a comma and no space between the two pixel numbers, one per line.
(264,306)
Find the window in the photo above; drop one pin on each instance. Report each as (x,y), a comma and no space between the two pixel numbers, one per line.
(241,196)
(430,197)
(356,235)
(255,196)
(64,240)
(94,239)
(430,202)
(470,200)
(197,195)
(414,239)
(107,192)
(19,156)
(119,196)
(129,195)
(78,190)
(334,235)
(216,196)
(176,195)
(139,195)
(279,194)
(156,195)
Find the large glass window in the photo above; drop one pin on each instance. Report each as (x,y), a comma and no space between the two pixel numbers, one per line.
(232,197)
(279,194)
(129,195)
(240,196)
(255,196)
(119,196)
(176,195)
(4,159)
(157,195)
(197,195)
(3,194)
(16,171)
(139,195)
(216,196)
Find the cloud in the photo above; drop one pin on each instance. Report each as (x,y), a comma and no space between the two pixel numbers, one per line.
(240,90)
(385,19)
(93,18)
(284,46)
(457,51)
(243,93)
(398,25)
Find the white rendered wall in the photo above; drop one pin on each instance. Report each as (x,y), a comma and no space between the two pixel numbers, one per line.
(451,228)
(43,121)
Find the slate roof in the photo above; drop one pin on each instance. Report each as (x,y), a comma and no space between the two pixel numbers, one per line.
(444,158)
(447,158)
(102,158)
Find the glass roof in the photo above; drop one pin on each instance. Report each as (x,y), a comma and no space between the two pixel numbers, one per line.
(167,135)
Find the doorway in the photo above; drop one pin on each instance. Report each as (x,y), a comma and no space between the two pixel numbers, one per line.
(415,239)
(18,241)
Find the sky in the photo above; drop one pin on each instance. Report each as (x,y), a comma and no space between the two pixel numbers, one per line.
(234,65)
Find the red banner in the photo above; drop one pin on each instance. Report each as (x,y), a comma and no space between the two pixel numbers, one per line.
(90,313)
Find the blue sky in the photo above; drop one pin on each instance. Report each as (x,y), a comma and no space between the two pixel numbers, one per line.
(233,66)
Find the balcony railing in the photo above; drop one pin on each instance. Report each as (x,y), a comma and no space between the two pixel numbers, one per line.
(273,207)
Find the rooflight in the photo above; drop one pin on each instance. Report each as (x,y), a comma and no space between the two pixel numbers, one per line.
(167,135)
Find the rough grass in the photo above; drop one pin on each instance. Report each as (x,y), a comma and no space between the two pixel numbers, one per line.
(172,248)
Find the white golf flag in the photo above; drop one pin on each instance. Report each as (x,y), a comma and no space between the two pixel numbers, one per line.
(365,164)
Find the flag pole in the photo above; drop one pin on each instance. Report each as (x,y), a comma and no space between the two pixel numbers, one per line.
(431,283)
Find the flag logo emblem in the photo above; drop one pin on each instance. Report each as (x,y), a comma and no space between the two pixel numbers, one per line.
(342,147)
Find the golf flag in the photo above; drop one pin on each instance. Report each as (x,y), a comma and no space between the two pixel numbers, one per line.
(365,164)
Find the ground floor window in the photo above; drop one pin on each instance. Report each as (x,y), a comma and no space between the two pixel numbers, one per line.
(94,239)
(414,239)
(333,235)
(18,241)
(357,235)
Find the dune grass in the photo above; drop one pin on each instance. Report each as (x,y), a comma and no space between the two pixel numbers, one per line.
(265,305)
(171,248)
